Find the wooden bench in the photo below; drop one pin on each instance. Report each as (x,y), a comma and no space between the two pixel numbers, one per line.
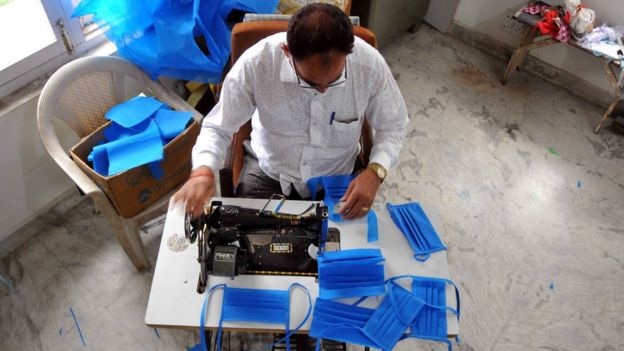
(532,40)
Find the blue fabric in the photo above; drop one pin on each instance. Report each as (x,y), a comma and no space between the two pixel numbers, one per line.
(115,131)
(335,187)
(351,273)
(414,224)
(341,322)
(431,322)
(252,305)
(422,311)
(161,36)
(139,129)
(395,314)
(135,150)
(171,123)
(133,111)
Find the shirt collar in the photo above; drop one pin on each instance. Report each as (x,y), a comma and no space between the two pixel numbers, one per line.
(288,75)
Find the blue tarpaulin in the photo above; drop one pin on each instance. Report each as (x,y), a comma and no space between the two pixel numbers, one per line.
(184,39)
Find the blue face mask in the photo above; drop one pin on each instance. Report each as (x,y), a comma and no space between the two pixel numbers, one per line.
(335,187)
(431,321)
(422,311)
(338,321)
(414,224)
(351,273)
(252,305)
(395,314)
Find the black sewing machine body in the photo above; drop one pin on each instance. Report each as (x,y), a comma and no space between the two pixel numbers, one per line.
(234,240)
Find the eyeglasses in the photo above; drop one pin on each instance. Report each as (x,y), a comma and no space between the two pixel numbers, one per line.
(312,85)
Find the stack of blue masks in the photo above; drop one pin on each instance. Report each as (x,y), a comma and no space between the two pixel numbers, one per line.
(421,311)
(184,39)
(351,273)
(139,129)
(252,305)
(414,224)
(335,187)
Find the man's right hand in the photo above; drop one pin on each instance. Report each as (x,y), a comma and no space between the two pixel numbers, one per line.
(197,191)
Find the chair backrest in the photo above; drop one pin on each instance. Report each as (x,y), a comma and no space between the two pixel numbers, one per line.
(81,92)
(244,36)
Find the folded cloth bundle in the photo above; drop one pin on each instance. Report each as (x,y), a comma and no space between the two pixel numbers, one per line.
(139,129)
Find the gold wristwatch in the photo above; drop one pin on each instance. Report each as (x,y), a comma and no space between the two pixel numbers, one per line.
(379,170)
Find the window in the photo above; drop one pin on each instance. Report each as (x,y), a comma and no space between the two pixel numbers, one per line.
(37,37)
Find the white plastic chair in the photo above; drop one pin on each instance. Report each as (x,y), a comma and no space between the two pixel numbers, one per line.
(79,94)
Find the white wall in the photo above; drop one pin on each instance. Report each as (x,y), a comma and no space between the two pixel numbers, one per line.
(30,180)
(485,16)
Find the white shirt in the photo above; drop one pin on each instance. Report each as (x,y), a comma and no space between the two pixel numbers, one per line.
(293,134)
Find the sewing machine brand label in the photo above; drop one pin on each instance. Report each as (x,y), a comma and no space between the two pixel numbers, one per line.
(224,256)
(281,248)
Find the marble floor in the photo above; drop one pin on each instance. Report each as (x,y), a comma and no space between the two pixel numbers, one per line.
(530,201)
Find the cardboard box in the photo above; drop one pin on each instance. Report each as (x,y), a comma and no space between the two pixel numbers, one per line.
(136,189)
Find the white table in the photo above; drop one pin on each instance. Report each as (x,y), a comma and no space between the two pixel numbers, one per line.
(175,303)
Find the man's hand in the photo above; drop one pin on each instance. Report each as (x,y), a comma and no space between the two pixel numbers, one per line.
(197,191)
(360,195)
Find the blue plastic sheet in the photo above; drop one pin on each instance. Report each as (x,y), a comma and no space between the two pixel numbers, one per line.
(162,37)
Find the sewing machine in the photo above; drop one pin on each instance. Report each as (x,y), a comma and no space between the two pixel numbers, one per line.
(235,240)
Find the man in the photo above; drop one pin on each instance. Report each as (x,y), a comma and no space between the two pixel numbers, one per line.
(307,93)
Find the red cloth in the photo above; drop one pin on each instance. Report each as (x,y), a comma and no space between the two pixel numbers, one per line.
(551,24)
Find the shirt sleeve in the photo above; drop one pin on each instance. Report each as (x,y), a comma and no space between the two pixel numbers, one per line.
(387,115)
(235,108)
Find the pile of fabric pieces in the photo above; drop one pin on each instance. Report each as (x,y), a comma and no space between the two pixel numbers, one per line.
(139,129)
(605,40)
(418,310)
(563,22)
(184,39)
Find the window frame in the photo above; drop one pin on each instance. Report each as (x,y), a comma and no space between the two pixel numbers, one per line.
(41,63)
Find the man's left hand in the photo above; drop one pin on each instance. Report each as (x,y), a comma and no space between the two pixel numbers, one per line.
(360,195)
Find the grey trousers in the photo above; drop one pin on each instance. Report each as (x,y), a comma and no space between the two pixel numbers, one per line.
(254,183)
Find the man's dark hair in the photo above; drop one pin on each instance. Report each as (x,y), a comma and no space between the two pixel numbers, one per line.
(318,29)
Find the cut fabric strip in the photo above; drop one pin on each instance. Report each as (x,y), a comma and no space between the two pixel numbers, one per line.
(335,187)
(417,229)
(351,273)
(252,305)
